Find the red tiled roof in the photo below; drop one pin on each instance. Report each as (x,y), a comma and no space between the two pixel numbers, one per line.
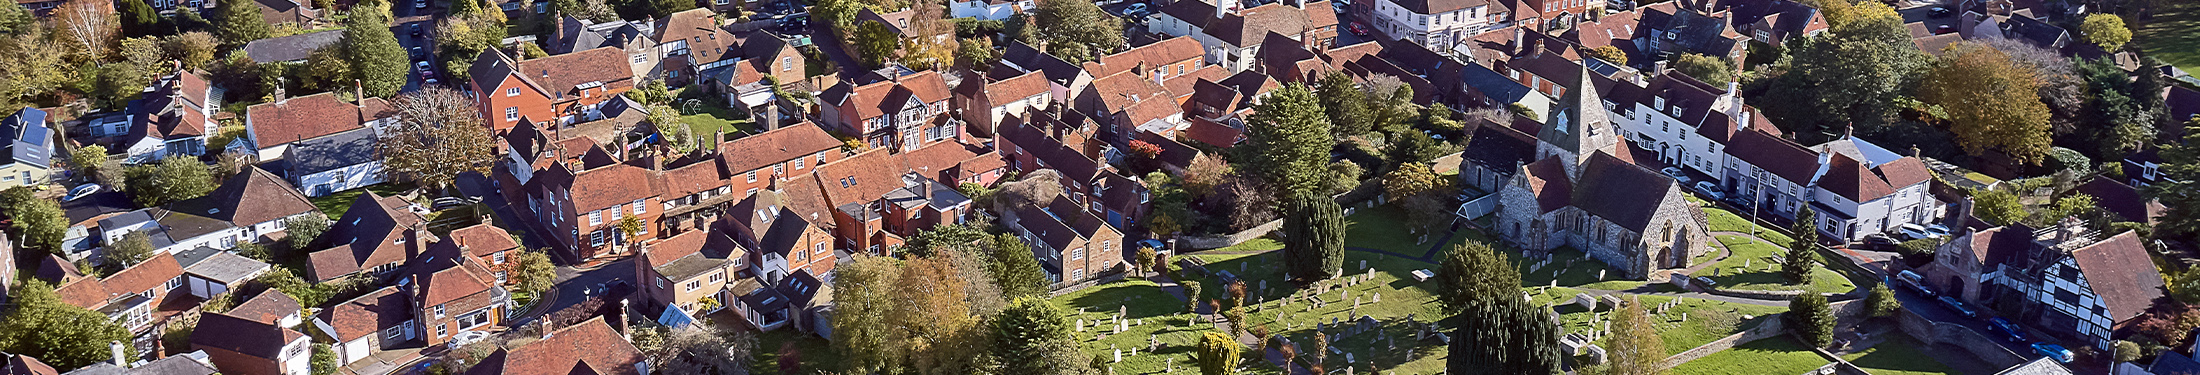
(1213,133)
(1553,189)
(1848,178)
(301,118)
(1019,87)
(562,73)
(671,249)
(776,146)
(609,186)
(861,178)
(1166,51)
(85,292)
(145,276)
(2121,272)
(1904,172)
(27,365)
(267,308)
(937,157)
(367,314)
(589,347)
(482,239)
(690,179)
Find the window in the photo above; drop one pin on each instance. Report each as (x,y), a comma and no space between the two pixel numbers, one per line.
(786,63)
(511,91)
(779,170)
(638,208)
(641,58)
(752,177)
(511,113)
(439,311)
(442,330)
(474,319)
(497,258)
(821,249)
(595,217)
(173,284)
(595,238)
(752,191)
(798,164)
(1079,274)
(718,276)
(821,159)
(1079,253)
(392,333)
(500,277)
(693,285)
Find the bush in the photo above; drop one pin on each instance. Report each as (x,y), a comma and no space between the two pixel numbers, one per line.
(1922,247)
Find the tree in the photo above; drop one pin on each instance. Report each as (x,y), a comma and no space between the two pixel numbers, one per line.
(438,136)
(1805,228)
(1473,272)
(172,179)
(1608,54)
(239,22)
(838,14)
(674,129)
(536,273)
(1810,319)
(1032,336)
(1853,75)
(1146,258)
(862,296)
(1408,180)
(461,38)
(2106,30)
(375,56)
(1313,228)
(33,62)
(118,82)
(195,49)
(14,19)
(38,223)
(1704,67)
(1206,172)
(1635,346)
(1390,105)
(978,54)
(1881,302)
(304,229)
(1218,354)
(324,359)
(2181,169)
(134,247)
(91,26)
(1801,259)
(1997,207)
(57,333)
(91,162)
(2126,351)
(255,251)
(874,43)
(1990,101)
(1504,337)
(2060,87)
(1191,293)
(1015,269)
(699,349)
(924,52)
(928,242)
(1292,139)
(138,19)
(1344,104)
(932,321)
(1077,30)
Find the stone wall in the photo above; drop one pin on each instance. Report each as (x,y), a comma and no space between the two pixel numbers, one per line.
(1188,243)
(1982,347)
(1113,274)
(1843,312)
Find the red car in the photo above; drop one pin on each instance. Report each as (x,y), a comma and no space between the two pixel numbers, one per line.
(1358,29)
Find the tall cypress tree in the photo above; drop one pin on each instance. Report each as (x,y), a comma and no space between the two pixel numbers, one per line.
(1314,229)
(1800,259)
(139,19)
(1504,336)
(1291,139)
(376,58)
(240,23)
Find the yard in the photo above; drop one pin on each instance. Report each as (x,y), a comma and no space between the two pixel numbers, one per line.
(336,203)
(2173,35)
(1898,355)
(711,119)
(1776,355)
(1752,267)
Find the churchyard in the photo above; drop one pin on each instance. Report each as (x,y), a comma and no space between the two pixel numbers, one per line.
(1755,265)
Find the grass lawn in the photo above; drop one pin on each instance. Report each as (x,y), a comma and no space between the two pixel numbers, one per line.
(1708,320)
(1751,268)
(1164,320)
(711,120)
(1401,297)
(335,204)
(815,353)
(2173,35)
(1569,267)
(1776,355)
(1384,228)
(1723,221)
(1899,355)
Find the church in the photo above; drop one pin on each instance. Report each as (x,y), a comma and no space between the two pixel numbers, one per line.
(1582,192)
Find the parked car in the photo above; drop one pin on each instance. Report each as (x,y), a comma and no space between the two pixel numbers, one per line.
(1937,230)
(1358,29)
(1877,242)
(414,28)
(2007,329)
(1958,306)
(1157,245)
(80,191)
(2054,351)
(1134,9)
(1915,283)
(1939,12)
(1710,189)
(1676,174)
(467,337)
(1914,232)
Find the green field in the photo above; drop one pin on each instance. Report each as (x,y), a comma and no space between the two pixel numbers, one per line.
(1898,355)
(1751,267)
(2173,35)
(336,203)
(1776,355)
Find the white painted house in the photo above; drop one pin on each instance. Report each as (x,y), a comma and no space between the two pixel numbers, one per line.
(1863,190)
(1232,35)
(338,162)
(990,10)
(1436,24)
(173,117)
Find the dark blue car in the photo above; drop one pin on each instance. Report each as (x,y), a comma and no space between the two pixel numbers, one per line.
(2007,329)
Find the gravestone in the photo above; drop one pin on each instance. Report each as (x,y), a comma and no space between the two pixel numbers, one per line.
(1118,353)
(1586,301)
(1378,297)
(1363,264)
(1595,354)
(1080,324)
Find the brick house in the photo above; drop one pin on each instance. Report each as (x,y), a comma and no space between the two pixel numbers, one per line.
(590,347)
(490,245)
(452,294)
(1061,144)
(132,297)
(239,345)
(956,163)
(691,272)
(851,189)
(999,98)
(904,113)
(375,236)
(581,210)
(270,128)
(378,321)
(759,161)
(691,42)
(692,193)
(566,88)
(1071,244)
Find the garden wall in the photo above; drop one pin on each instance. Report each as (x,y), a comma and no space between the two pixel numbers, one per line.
(1113,275)
(1980,346)
(1213,242)
(1843,312)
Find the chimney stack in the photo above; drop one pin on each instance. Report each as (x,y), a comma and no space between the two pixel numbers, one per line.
(358,93)
(116,347)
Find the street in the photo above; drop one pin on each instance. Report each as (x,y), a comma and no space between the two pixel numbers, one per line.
(1932,309)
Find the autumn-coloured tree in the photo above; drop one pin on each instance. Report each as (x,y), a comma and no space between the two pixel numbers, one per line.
(934,43)
(438,136)
(1990,101)
(1635,346)
(932,319)
(1608,54)
(2105,30)
(89,25)
(1206,172)
(863,296)
(1410,179)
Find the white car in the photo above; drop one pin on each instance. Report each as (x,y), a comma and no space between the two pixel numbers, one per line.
(1135,9)
(467,337)
(420,4)
(80,191)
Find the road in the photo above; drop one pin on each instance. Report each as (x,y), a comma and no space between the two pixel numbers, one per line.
(578,285)
(408,17)
(1932,309)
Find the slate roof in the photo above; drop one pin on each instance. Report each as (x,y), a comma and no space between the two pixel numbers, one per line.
(241,335)
(2183,103)
(1440,6)
(290,48)
(590,347)
(349,148)
(251,197)
(1778,156)
(1620,192)
(1499,148)
(1019,57)
(2122,273)
(2123,200)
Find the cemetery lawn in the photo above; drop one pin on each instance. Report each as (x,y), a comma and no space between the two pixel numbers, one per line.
(1774,355)
(1384,228)
(1762,273)
(1724,221)
(1898,355)
(1708,320)
(1164,319)
(1570,268)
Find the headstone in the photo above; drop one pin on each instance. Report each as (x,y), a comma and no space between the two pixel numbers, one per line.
(1168,366)
(1378,297)
(1363,263)
(1080,324)
(1120,311)
(1348,359)
(1595,354)
(1118,353)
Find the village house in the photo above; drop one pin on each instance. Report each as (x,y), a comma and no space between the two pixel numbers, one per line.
(270,128)
(375,236)
(956,164)
(902,114)
(378,321)
(2062,278)
(567,89)
(1865,190)
(1439,25)
(1232,36)
(171,118)
(452,294)
(591,347)
(581,211)
(690,275)
(26,141)
(209,272)
(132,298)
(998,99)
(787,254)
(633,38)
(254,201)
(245,346)
(693,192)
(491,246)
(1770,172)
(1064,79)
(1071,244)
(760,161)
(338,162)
